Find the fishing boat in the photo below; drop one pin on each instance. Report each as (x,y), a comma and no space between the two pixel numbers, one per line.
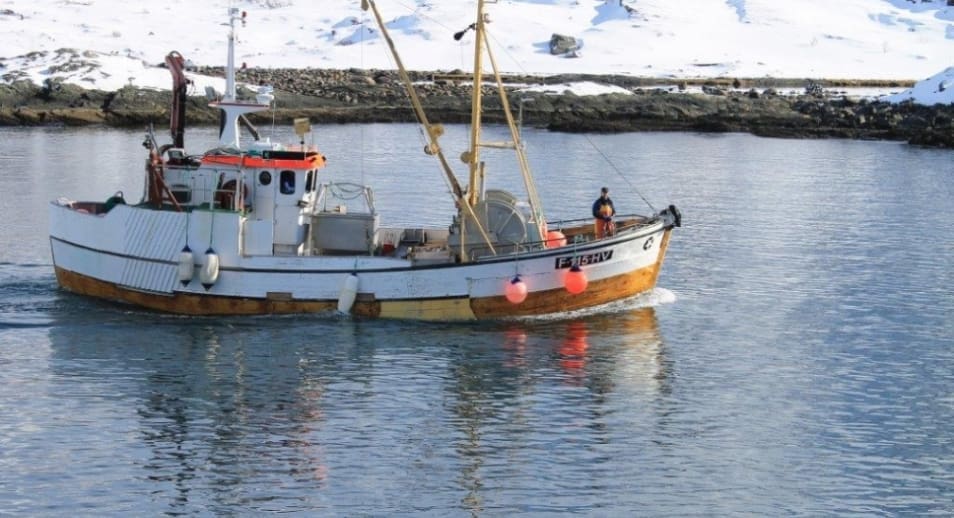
(262,228)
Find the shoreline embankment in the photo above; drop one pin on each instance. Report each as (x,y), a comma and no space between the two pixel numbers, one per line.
(785,108)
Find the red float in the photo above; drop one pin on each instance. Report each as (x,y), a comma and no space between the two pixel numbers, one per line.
(516,290)
(575,280)
(555,239)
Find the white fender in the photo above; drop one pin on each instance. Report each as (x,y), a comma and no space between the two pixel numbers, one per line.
(209,272)
(349,290)
(186,265)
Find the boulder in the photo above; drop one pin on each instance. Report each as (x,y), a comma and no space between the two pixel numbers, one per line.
(561,44)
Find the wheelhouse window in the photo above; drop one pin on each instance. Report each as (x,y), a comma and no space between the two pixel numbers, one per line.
(287,179)
(310,181)
(181,192)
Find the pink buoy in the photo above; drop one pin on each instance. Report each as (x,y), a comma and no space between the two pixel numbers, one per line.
(555,239)
(516,290)
(575,280)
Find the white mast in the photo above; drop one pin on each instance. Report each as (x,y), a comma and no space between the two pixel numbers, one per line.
(230,64)
(230,106)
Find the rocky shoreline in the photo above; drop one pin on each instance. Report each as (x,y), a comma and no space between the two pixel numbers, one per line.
(342,96)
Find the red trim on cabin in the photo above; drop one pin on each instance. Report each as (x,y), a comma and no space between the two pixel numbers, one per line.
(310,162)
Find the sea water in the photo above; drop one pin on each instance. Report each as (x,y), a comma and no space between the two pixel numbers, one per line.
(796,359)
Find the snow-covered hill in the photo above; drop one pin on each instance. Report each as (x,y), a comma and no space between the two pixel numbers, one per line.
(109,43)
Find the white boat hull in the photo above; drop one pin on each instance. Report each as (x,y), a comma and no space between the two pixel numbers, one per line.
(131,254)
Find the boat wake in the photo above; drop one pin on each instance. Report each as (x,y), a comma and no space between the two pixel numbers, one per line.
(661,296)
(651,299)
(25,298)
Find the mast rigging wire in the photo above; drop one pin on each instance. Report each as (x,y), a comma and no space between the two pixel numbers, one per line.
(612,165)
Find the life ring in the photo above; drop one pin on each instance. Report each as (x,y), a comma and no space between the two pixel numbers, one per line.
(225,196)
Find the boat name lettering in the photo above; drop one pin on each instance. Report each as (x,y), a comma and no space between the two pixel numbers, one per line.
(581,260)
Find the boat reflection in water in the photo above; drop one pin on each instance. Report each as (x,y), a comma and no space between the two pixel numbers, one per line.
(573,350)
(561,386)
(201,412)
(197,413)
(627,341)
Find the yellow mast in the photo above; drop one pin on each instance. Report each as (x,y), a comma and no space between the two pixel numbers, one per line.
(476,108)
(473,156)
(529,184)
(433,132)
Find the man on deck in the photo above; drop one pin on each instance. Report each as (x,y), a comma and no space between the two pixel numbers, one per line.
(604,211)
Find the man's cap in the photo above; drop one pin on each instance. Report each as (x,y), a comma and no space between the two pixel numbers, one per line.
(604,189)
